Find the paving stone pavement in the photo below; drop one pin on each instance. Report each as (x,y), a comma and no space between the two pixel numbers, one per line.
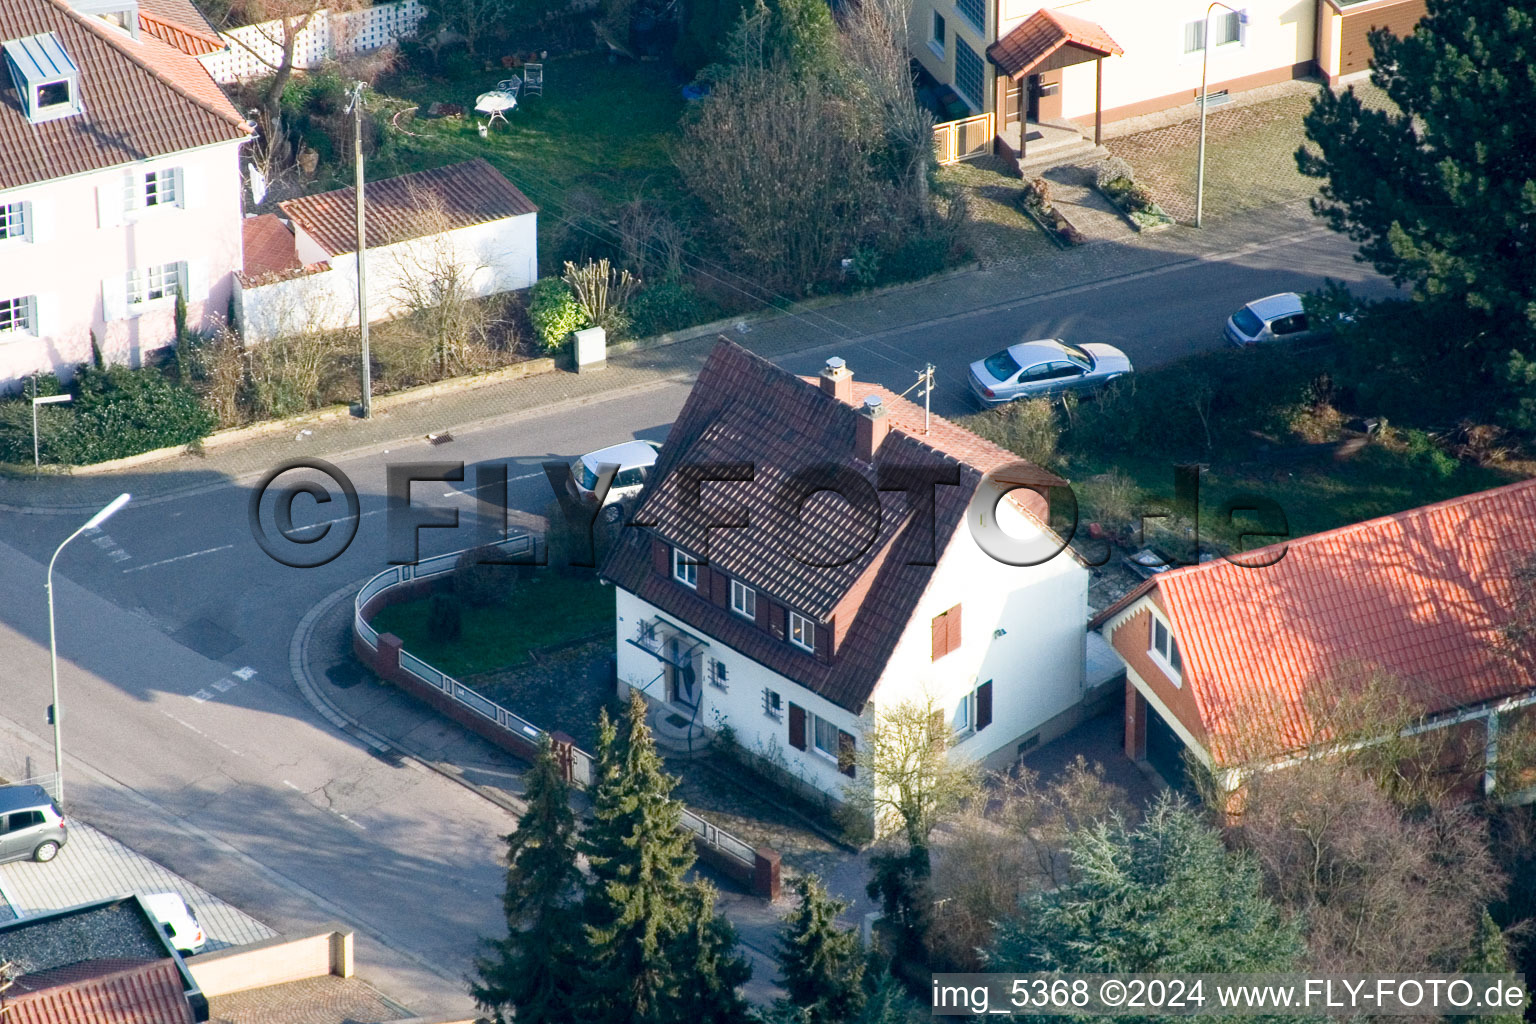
(327,1000)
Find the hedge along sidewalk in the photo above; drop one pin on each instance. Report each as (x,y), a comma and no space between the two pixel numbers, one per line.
(817,326)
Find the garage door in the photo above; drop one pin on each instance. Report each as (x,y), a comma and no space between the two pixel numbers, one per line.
(1165,752)
(1354,41)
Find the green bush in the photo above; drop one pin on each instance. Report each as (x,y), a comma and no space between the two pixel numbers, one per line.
(917,257)
(444,621)
(1428,455)
(667,306)
(480,581)
(555,313)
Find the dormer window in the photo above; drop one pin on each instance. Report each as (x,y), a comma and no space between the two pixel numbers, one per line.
(802,632)
(122,15)
(46,80)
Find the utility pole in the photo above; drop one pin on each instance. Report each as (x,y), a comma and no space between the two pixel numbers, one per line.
(356,109)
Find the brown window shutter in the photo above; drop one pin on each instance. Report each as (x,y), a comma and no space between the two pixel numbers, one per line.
(983,705)
(824,641)
(719,588)
(796,726)
(661,557)
(953,618)
(776,621)
(764,612)
(940,637)
(845,755)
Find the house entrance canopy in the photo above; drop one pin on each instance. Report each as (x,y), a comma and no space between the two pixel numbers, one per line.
(1048,40)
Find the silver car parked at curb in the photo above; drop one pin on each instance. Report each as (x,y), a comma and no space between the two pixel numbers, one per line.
(1038,369)
(31,824)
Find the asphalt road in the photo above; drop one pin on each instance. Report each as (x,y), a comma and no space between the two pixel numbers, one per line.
(234,781)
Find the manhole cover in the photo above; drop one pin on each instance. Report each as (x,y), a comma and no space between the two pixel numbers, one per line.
(207,638)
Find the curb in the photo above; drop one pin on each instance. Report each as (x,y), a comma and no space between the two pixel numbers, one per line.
(299,667)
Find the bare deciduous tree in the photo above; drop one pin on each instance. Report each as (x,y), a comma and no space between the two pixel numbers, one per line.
(436,283)
(1381,889)
(906,780)
(874,43)
(603,291)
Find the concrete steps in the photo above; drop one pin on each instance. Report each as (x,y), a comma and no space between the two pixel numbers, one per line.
(1081,152)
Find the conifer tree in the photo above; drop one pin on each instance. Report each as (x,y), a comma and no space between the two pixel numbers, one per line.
(648,932)
(821,964)
(528,974)
(1490,955)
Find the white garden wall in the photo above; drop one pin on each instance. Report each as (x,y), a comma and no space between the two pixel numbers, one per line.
(327,37)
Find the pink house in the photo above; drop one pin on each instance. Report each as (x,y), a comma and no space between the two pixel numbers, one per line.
(119,180)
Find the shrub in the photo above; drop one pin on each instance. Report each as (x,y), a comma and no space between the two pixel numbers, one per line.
(667,306)
(119,412)
(443,618)
(919,256)
(1113,500)
(1427,454)
(1112,169)
(479,580)
(1037,195)
(603,292)
(1028,428)
(555,313)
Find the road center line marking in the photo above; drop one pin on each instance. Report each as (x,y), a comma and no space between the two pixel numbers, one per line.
(470,491)
(179,558)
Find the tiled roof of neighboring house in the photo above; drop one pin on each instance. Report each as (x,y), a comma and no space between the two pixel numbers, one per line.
(142,99)
(1418,596)
(743,409)
(268,248)
(113,991)
(1044,33)
(469,193)
(181,24)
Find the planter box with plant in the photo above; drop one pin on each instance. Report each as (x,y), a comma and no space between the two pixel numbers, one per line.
(1117,183)
(1035,201)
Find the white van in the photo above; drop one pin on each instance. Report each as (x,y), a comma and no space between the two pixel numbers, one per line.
(176,920)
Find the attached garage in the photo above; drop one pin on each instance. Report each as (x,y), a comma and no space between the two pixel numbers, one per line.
(1345,28)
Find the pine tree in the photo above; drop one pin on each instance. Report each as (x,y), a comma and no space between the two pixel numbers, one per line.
(821,964)
(706,953)
(528,974)
(1164,897)
(889,1003)
(1490,955)
(1440,192)
(639,908)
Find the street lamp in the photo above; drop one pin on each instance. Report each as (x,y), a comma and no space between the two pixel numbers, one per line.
(53,642)
(37,462)
(1205,59)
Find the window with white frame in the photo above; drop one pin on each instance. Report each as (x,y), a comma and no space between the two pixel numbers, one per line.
(823,735)
(154,283)
(1165,649)
(16,315)
(684,569)
(773,704)
(743,600)
(1194,36)
(1226,27)
(13,220)
(159,189)
(975,711)
(802,631)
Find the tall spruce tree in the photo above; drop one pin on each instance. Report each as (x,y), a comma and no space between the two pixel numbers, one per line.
(1440,193)
(821,964)
(653,952)
(528,975)
(1490,955)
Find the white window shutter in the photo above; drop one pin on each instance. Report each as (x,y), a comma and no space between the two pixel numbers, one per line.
(194,281)
(45,315)
(189,188)
(133,194)
(40,220)
(109,205)
(114,297)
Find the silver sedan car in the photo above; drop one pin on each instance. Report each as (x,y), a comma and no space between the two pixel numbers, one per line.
(1036,369)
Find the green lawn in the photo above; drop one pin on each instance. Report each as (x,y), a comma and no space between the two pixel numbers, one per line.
(546,608)
(599,128)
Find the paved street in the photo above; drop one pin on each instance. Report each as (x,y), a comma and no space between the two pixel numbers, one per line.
(187,736)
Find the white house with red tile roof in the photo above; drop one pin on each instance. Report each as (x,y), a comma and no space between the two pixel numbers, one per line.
(795,625)
(465,218)
(1234,658)
(119,181)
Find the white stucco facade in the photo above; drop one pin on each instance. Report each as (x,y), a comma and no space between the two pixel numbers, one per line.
(503,255)
(1023,631)
(85,235)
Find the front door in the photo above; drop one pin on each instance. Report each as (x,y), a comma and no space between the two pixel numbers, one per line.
(1032,107)
(682,679)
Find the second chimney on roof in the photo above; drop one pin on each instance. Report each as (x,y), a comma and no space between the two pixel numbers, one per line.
(871,428)
(837,380)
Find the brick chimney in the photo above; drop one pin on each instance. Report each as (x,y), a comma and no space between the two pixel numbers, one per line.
(837,380)
(869,432)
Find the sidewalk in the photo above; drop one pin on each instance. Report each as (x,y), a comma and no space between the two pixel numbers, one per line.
(1005,283)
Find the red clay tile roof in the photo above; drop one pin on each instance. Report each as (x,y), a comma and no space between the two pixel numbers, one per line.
(101,992)
(744,409)
(142,99)
(268,247)
(181,24)
(471,193)
(1418,596)
(1042,34)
